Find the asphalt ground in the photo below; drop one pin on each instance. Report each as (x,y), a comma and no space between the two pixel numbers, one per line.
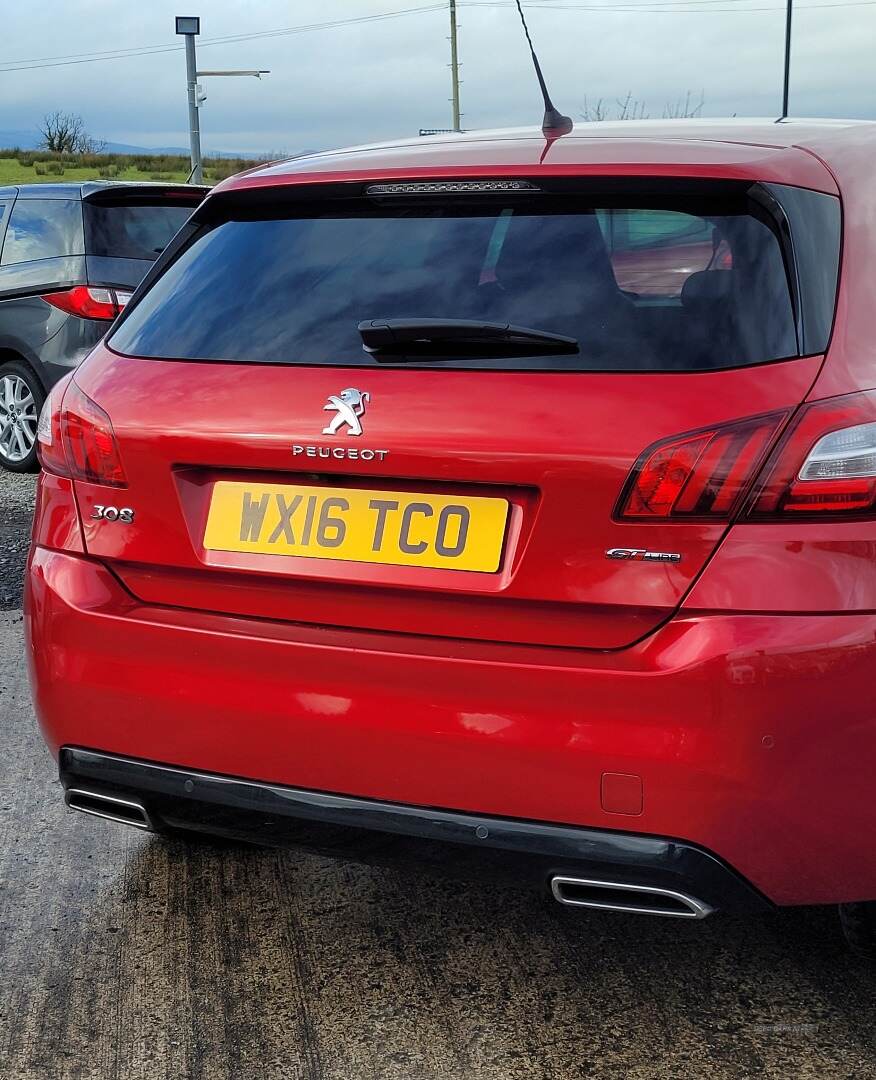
(129,957)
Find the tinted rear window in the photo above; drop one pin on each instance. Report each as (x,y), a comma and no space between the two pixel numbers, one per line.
(691,282)
(125,230)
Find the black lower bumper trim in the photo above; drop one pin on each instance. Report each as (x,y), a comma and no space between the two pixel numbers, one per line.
(383,833)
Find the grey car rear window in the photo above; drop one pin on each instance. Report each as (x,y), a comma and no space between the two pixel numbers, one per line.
(133,230)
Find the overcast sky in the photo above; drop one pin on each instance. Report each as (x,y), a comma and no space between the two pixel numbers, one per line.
(371,81)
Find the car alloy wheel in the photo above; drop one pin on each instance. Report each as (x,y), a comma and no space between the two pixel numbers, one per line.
(18,419)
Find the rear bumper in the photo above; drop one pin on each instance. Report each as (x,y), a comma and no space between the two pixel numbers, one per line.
(750,737)
(389,834)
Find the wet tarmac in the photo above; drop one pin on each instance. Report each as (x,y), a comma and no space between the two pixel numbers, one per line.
(128,957)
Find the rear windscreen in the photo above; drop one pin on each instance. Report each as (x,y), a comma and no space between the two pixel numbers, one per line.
(126,230)
(695,281)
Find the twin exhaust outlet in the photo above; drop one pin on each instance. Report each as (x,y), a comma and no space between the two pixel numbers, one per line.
(571,891)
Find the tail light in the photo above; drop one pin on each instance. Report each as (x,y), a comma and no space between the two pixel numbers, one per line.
(88,302)
(825,464)
(702,475)
(75,438)
(50,449)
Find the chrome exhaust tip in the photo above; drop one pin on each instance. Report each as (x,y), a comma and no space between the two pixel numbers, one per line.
(111,807)
(620,896)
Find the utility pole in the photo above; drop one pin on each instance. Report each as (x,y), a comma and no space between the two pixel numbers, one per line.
(454,67)
(190,27)
(787,59)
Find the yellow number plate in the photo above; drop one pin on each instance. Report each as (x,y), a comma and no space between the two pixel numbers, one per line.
(450,532)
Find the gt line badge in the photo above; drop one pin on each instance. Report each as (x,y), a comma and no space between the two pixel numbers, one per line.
(641,555)
(349,407)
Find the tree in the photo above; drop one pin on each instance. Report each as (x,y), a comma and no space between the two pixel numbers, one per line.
(64,133)
(684,109)
(630,108)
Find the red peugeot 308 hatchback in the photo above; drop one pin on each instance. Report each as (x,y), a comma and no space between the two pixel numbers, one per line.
(505,498)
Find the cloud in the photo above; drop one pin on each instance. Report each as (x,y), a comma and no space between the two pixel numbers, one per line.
(373,81)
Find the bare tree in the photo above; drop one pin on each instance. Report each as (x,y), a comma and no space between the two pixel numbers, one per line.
(64,133)
(596,111)
(88,145)
(61,132)
(630,108)
(684,109)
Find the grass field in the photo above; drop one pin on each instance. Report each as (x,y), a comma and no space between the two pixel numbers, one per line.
(38,167)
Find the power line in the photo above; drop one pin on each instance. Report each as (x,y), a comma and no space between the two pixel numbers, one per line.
(671,7)
(90,60)
(571,5)
(151,50)
(644,7)
(668,7)
(552,6)
(576,5)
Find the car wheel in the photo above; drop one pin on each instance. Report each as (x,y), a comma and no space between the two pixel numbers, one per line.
(21,398)
(859,926)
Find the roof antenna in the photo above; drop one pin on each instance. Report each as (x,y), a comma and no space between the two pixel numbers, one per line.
(554,124)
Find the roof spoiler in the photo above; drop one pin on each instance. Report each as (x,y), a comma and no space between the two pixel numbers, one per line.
(110,190)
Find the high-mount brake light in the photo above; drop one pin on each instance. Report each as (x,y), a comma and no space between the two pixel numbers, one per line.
(699,475)
(826,463)
(75,438)
(89,302)
(453,187)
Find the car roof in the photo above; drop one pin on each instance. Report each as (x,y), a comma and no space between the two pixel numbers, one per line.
(84,189)
(790,151)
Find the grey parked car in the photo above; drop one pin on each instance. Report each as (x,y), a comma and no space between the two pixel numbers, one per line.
(70,257)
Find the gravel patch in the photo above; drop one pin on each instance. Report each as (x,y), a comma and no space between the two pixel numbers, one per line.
(16,513)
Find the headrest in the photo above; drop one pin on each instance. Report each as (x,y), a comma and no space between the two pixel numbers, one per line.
(707,287)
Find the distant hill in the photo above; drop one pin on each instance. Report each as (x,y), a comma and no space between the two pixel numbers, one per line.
(30,140)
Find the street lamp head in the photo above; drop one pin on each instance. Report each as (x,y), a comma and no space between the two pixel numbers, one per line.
(258,74)
(188,24)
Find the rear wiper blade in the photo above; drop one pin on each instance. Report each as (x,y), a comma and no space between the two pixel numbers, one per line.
(447,338)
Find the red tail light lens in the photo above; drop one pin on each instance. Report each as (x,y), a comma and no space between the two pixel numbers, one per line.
(698,476)
(87,302)
(826,463)
(75,438)
(90,441)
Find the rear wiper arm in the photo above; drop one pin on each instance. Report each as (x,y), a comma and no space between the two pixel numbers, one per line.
(446,338)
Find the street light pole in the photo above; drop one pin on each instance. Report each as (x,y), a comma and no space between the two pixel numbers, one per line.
(190,27)
(787,59)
